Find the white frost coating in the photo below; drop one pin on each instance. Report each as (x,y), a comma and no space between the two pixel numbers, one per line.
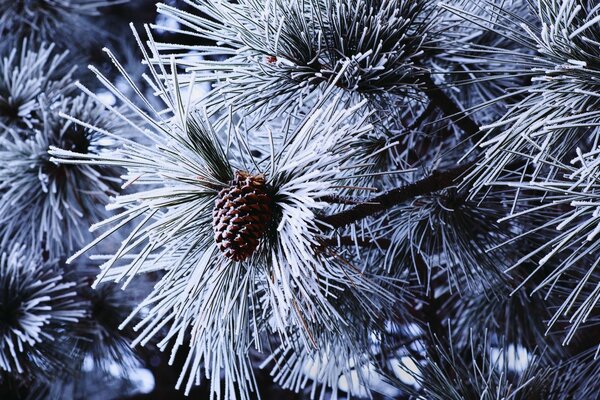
(290,287)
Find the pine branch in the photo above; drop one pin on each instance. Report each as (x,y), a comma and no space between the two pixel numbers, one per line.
(431,305)
(383,243)
(452,111)
(346,200)
(438,180)
(423,116)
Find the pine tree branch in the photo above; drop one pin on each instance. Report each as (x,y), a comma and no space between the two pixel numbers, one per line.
(383,243)
(426,113)
(336,199)
(438,180)
(450,109)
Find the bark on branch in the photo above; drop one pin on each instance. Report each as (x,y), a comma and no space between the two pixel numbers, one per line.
(450,109)
(438,180)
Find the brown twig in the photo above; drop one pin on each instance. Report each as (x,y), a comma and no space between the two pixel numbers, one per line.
(346,200)
(450,109)
(349,241)
(438,180)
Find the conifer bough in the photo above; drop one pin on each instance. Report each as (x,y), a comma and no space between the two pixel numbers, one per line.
(438,180)
(342,197)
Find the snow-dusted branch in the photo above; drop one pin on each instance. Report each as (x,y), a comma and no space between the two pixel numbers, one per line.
(438,180)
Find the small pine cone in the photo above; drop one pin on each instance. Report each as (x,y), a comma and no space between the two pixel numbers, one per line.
(241,214)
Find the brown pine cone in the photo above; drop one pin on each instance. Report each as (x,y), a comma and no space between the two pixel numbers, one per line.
(241,215)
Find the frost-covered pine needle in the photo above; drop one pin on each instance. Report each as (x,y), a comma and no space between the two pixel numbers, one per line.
(26,73)
(37,307)
(56,202)
(292,283)
(277,53)
(52,20)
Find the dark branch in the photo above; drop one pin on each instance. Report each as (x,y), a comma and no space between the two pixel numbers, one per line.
(349,241)
(452,111)
(426,113)
(433,183)
(335,199)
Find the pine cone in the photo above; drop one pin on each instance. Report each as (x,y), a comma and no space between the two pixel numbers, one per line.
(241,214)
